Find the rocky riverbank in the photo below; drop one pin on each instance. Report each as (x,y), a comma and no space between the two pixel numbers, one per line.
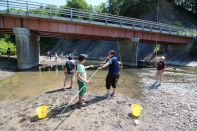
(172,106)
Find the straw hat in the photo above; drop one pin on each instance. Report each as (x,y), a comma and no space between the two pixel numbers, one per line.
(163,57)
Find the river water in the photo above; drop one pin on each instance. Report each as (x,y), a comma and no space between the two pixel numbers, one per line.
(24,84)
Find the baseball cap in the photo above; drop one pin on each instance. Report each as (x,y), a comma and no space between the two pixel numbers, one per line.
(70,56)
(82,57)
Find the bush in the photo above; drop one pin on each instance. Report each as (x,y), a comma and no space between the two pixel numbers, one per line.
(5,45)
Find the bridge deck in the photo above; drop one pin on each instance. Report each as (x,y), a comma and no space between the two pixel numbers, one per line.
(40,10)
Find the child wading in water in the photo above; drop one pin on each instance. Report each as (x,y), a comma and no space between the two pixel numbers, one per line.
(82,78)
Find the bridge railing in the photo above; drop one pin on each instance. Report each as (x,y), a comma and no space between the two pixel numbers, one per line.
(35,9)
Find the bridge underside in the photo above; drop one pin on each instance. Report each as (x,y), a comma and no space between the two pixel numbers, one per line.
(62,29)
(28,30)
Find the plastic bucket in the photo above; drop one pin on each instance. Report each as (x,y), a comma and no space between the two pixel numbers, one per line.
(42,111)
(136,110)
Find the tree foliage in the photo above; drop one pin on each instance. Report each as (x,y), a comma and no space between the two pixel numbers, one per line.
(4,45)
(190,5)
(134,8)
(130,8)
(102,8)
(79,4)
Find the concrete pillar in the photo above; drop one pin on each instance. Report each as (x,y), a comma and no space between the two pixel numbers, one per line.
(128,51)
(27,48)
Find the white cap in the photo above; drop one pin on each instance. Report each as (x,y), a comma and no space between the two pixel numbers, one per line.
(163,57)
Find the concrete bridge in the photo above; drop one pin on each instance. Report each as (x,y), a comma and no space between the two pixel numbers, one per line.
(29,21)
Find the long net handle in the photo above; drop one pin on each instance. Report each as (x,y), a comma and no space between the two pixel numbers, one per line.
(78,92)
(122,70)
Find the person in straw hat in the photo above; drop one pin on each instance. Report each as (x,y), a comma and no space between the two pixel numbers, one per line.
(161,65)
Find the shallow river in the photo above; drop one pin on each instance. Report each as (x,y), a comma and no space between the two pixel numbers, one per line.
(34,82)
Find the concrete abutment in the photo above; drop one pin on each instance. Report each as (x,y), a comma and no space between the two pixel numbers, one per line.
(27,48)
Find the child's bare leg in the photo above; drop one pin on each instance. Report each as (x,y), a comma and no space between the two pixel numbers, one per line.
(80,99)
(71,83)
(161,76)
(108,90)
(114,91)
(64,83)
(156,76)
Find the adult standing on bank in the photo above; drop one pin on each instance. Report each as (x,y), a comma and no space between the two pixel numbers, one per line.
(69,70)
(161,65)
(113,73)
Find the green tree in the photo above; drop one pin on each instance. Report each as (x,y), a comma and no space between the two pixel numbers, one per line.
(102,8)
(4,45)
(190,5)
(131,8)
(79,4)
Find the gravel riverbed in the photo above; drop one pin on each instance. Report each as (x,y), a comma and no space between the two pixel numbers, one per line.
(171,106)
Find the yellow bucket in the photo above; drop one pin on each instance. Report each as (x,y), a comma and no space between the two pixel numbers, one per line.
(136,110)
(42,111)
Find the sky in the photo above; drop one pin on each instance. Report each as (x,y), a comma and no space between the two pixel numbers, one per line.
(62,2)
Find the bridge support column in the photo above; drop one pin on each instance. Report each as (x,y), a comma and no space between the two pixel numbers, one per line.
(27,48)
(128,51)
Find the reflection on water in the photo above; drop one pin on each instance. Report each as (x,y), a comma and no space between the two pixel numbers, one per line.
(37,81)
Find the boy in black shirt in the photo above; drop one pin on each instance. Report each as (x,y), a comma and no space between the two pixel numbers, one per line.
(69,70)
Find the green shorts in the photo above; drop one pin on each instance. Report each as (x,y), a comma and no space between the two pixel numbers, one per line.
(82,85)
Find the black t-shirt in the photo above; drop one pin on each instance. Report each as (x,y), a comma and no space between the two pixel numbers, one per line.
(161,65)
(70,66)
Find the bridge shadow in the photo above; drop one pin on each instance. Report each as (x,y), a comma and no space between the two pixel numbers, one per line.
(56,111)
(8,64)
(56,90)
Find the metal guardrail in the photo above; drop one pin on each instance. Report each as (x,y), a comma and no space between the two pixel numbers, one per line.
(33,9)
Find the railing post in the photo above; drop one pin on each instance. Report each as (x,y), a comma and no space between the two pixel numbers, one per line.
(185,33)
(151,27)
(90,17)
(50,13)
(71,15)
(105,19)
(143,26)
(170,29)
(8,8)
(192,33)
(160,28)
(134,25)
(120,23)
(27,9)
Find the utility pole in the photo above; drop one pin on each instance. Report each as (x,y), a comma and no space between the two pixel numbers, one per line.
(158,2)
(136,41)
